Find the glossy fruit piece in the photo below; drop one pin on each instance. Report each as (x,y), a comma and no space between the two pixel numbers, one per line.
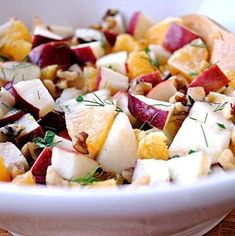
(138,64)
(211,79)
(4,173)
(190,60)
(50,54)
(153,112)
(39,168)
(126,42)
(16,40)
(177,36)
(138,24)
(156,33)
(110,36)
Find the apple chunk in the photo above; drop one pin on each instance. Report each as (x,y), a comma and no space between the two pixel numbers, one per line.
(31,129)
(87,35)
(119,151)
(112,80)
(11,116)
(34,96)
(39,168)
(138,24)
(116,61)
(88,52)
(52,53)
(153,112)
(211,79)
(11,154)
(177,36)
(7,101)
(70,164)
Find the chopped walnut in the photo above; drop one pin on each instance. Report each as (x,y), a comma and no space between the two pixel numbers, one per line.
(62,84)
(179,97)
(15,169)
(67,75)
(137,86)
(127,174)
(80,144)
(29,150)
(179,108)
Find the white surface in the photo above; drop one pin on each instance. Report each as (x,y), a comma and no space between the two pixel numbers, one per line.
(177,210)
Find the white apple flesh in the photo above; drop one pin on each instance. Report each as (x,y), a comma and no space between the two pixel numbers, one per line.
(34,96)
(116,61)
(119,151)
(31,129)
(70,164)
(88,35)
(112,80)
(11,154)
(138,24)
(153,112)
(7,101)
(88,52)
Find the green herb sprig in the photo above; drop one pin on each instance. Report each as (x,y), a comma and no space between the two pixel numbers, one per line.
(47,141)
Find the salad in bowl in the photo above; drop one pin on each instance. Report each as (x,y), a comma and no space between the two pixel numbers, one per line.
(147,104)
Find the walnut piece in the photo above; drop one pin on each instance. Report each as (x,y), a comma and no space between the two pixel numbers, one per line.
(29,150)
(15,169)
(80,144)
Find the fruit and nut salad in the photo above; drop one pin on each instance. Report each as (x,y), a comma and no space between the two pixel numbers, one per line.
(109,105)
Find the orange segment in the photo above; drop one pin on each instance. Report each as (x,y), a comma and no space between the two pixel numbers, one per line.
(24,179)
(4,173)
(96,122)
(156,33)
(90,75)
(189,60)
(139,64)
(126,42)
(16,40)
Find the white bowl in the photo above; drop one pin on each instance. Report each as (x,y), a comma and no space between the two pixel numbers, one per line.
(188,210)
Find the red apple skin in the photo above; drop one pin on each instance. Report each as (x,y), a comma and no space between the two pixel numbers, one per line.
(9,87)
(110,36)
(211,79)
(84,54)
(39,39)
(177,36)
(11,118)
(39,168)
(28,137)
(132,23)
(53,121)
(25,106)
(153,78)
(64,134)
(147,113)
(52,53)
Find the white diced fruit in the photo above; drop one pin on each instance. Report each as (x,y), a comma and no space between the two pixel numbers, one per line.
(205,129)
(63,142)
(119,151)
(151,172)
(190,168)
(19,71)
(35,96)
(70,164)
(7,101)
(116,61)
(11,154)
(112,80)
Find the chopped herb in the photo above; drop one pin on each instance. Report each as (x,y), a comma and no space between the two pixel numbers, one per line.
(147,50)
(103,44)
(67,107)
(220,107)
(222,126)
(191,100)
(198,45)
(47,141)
(79,98)
(191,151)
(90,177)
(159,104)
(4,75)
(203,122)
(142,126)
(192,73)
(205,118)
(110,67)
(175,156)
(153,118)
(192,118)
(153,61)
(38,93)
(204,135)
